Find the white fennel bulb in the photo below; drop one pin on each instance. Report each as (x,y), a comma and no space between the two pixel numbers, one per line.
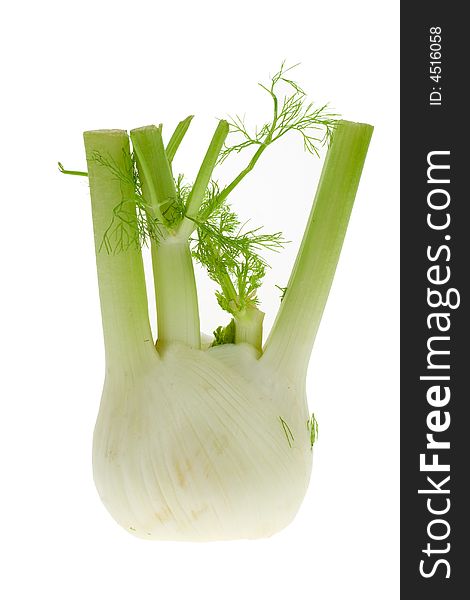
(192,446)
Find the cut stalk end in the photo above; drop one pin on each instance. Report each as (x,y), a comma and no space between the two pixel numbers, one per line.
(249,327)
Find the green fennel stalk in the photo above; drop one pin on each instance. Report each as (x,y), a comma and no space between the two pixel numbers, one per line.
(293,334)
(123,296)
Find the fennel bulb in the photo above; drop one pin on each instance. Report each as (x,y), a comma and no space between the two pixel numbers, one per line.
(191,446)
(196,441)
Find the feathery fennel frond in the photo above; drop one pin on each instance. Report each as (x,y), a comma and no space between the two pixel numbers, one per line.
(132,222)
(231,255)
(291,112)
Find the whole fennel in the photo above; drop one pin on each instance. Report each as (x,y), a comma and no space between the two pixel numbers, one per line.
(198,442)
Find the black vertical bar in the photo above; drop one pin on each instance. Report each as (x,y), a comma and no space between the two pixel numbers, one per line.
(434,119)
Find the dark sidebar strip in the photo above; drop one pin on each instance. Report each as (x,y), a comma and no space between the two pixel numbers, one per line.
(435,332)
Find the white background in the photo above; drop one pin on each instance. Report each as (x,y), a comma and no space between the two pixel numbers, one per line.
(68,67)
